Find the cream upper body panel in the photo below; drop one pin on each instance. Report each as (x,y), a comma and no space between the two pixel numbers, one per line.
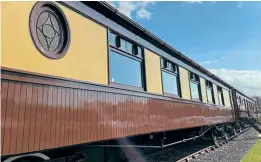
(184,83)
(87,51)
(153,72)
(203,89)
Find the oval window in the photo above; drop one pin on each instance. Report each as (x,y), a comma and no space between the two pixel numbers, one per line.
(49,30)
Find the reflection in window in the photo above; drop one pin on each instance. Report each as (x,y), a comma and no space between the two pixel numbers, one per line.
(194,90)
(129,47)
(112,39)
(220,96)
(238,101)
(125,70)
(210,95)
(169,83)
(220,99)
(194,86)
(125,45)
(170,77)
(139,52)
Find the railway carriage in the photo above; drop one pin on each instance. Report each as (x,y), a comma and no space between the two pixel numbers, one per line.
(77,73)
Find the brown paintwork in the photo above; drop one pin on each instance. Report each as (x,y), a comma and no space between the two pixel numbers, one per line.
(61,139)
(14,118)
(53,117)
(39,115)
(8,118)
(38,123)
(4,93)
(28,109)
(44,118)
(21,119)
(33,117)
(59,108)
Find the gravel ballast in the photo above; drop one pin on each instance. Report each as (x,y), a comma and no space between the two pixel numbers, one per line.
(234,150)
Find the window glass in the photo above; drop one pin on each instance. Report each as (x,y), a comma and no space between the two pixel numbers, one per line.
(209,95)
(220,98)
(123,45)
(139,51)
(128,47)
(194,90)
(169,83)
(112,39)
(125,70)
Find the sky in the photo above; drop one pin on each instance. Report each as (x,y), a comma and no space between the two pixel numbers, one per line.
(223,37)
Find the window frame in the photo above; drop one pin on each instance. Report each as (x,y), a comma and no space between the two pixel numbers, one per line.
(174,72)
(196,80)
(209,85)
(118,50)
(242,103)
(220,91)
(238,101)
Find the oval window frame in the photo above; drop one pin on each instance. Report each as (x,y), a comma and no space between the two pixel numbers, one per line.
(63,46)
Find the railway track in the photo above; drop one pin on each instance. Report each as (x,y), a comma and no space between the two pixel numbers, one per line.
(209,149)
(183,152)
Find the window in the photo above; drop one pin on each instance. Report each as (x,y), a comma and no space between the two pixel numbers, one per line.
(194,87)
(49,30)
(170,77)
(220,96)
(125,62)
(125,45)
(112,39)
(125,70)
(210,93)
(238,101)
(242,102)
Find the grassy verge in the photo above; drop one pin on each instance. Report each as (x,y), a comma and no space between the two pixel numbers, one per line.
(254,155)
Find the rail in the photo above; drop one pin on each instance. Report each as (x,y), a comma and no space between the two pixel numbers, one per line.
(208,149)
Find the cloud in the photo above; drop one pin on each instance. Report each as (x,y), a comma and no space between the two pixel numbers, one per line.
(239,4)
(142,10)
(195,2)
(212,61)
(143,14)
(247,81)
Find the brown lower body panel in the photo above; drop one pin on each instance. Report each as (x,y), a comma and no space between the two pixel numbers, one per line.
(40,113)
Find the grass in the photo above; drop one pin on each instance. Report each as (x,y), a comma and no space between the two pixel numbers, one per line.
(254,155)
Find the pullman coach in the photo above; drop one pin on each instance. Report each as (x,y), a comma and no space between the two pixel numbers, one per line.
(80,74)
